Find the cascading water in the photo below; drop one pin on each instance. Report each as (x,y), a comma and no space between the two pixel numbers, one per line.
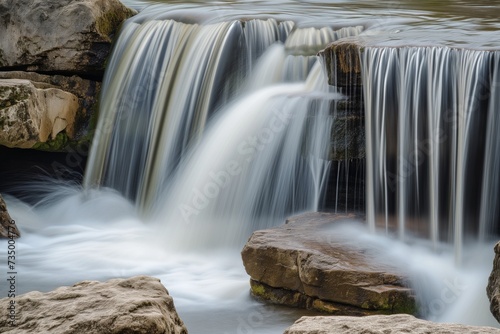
(428,153)
(216,128)
(156,104)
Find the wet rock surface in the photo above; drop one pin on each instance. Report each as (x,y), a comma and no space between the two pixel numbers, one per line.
(300,264)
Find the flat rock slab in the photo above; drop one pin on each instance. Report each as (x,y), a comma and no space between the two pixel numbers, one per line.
(303,264)
(380,324)
(137,305)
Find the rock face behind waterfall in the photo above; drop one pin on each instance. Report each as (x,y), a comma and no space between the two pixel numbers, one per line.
(8,229)
(304,264)
(387,324)
(493,288)
(138,305)
(66,36)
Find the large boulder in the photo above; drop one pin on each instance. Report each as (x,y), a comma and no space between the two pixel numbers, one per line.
(135,305)
(8,228)
(378,324)
(493,288)
(301,264)
(86,92)
(32,113)
(59,35)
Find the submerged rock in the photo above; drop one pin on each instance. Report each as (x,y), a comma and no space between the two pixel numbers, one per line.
(8,228)
(493,288)
(386,324)
(32,113)
(300,264)
(137,305)
(64,36)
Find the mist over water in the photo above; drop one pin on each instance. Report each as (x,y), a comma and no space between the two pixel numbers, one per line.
(212,127)
(98,235)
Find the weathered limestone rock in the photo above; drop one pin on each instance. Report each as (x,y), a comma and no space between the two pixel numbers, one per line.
(87,92)
(59,35)
(378,324)
(298,264)
(135,305)
(31,113)
(493,288)
(8,228)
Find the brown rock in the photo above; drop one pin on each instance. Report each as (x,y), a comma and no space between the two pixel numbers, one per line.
(137,305)
(493,288)
(299,257)
(8,228)
(378,324)
(343,64)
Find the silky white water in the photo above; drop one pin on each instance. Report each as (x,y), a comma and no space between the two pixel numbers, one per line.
(217,124)
(210,288)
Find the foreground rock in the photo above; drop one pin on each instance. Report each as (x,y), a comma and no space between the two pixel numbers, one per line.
(135,305)
(493,288)
(378,324)
(8,228)
(31,98)
(65,36)
(300,264)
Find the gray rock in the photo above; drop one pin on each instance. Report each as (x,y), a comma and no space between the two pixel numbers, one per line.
(137,305)
(298,264)
(493,288)
(59,35)
(380,324)
(30,113)
(8,228)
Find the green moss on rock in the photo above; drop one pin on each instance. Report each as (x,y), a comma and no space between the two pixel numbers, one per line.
(109,23)
(58,144)
(291,298)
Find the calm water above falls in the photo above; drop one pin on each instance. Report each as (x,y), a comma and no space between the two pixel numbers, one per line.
(76,234)
(453,23)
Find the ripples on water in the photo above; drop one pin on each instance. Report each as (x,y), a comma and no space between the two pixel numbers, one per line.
(471,24)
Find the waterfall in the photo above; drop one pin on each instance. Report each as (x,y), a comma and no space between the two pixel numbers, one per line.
(432,139)
(168,82)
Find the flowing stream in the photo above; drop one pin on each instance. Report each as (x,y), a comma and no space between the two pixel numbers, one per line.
(215,122)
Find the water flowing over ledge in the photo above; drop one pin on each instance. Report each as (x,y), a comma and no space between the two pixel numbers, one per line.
(166,79)
(217,129)
(433,141)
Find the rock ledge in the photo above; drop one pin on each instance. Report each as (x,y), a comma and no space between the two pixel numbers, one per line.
(300,264)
